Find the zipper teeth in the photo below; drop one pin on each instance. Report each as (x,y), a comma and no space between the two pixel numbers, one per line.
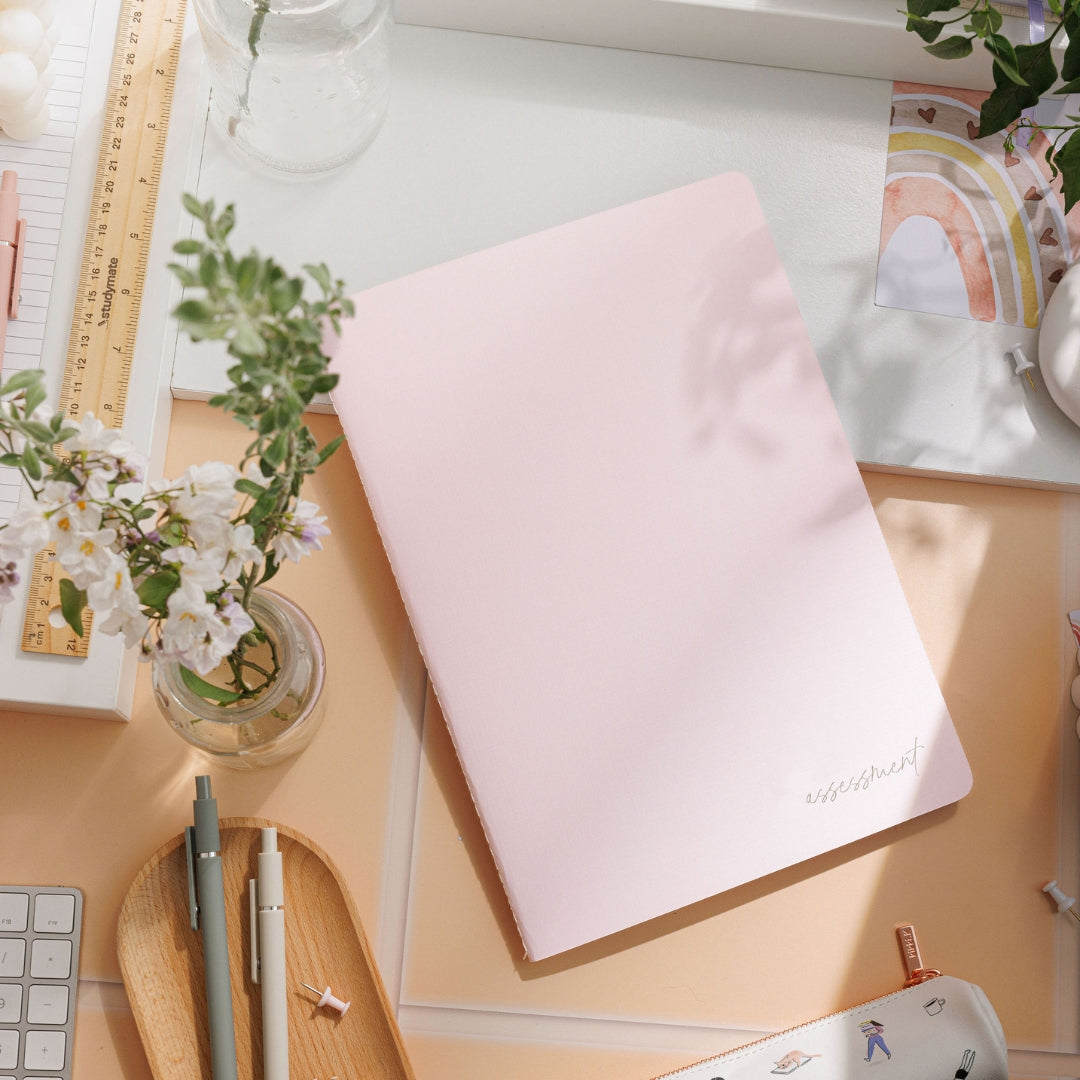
(919,977)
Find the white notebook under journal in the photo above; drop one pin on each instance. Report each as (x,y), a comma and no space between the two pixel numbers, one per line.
(653,597)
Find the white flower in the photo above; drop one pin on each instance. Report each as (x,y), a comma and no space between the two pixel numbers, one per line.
(210,530)
(26,532)
(300,532)
(197,633)
(57,493)
(241,549)
(114,600)
(200,571)
(73,516)
(93,435)
(85,555)
(206,489)
(235,621)
(186,632)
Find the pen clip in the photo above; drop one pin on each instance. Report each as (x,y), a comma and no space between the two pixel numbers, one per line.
(255,943)
(193,896)
(12,299)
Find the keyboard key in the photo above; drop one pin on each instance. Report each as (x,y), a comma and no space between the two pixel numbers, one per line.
(9,1049)
(54,913)
(10,1004)
(44,1050)
(47,1005)
(50,959)
(13,909)
(40,937)
(12,957)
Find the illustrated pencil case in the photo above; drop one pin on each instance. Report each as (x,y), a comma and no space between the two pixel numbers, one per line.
(936,1028)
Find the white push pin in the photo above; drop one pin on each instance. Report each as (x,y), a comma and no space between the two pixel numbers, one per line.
(1021,364)
(329,1000)
(1064,902)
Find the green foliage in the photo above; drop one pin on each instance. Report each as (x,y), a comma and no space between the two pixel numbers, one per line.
(275,334)
(72,603)
(1023,74)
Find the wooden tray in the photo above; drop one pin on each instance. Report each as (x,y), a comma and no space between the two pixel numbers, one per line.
(161,961)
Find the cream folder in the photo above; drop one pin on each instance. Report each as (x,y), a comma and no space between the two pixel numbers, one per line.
(654,601)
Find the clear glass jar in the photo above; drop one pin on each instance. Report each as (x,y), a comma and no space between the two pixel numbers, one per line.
(274,726)
(300,85)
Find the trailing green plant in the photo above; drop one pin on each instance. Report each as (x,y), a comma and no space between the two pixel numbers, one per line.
(1023,74)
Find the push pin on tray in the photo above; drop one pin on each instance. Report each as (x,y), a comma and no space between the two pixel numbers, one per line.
(1064,903)
(328,999)
(1022,365)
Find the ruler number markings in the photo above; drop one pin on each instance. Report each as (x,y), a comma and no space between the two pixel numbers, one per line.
(101,345)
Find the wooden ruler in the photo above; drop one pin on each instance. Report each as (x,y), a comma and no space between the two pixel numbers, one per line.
(146,58)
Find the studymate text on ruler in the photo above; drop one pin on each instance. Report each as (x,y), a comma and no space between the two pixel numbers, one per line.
(43,167)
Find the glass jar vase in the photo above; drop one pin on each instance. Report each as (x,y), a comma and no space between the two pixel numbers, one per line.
(300,85)
(270,728)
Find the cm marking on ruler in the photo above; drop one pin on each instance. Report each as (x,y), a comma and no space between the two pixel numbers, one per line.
(97,370)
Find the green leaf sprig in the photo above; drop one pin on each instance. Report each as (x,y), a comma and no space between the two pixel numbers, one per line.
(1023,74)
(275,334)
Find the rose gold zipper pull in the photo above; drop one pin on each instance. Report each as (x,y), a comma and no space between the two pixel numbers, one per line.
(913,961)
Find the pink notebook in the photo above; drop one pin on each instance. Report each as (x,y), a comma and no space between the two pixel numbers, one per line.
(652,594)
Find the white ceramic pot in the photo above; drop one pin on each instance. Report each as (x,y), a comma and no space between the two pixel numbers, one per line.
(1059,345)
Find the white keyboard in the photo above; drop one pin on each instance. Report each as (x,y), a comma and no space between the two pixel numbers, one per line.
(40,930)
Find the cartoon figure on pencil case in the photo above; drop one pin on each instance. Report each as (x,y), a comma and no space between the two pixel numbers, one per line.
(792,1060)
(965,1065)
(872,1029)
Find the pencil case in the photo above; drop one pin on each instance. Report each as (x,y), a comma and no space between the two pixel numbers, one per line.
(935,1028)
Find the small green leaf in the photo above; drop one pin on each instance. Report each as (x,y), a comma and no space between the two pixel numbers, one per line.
(1070,62)
(1067,159)
(184,275)
(1009,99)
(246,274)
(927,29)
(194,311)
(276,451)
(285,294)
(36,430)
(12,461)
(263,506)
(323,384)
(928,7)
(329,448)
(321,275)
(249,487)
(986,21)
(207,690)
(1005,58)
(21,380)
(209,269)
(188,247)
(155,591)
(246,340)
(35,395)
(951,48)
(31,463)
(196,208)
(1068,88)
(72,603)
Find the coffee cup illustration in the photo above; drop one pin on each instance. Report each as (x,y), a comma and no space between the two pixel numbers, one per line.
(934,1005)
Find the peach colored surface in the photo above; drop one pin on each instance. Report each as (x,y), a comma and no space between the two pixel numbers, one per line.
(86,802)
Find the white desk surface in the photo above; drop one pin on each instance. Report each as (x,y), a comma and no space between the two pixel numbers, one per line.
(489,138)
